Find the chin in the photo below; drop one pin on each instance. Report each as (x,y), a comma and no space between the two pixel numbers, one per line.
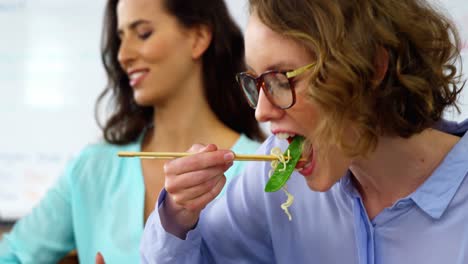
(319,185)
(143,101)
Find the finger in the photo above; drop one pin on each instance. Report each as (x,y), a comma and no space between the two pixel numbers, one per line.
(194,178)
(198,161)
(199,203)
(192,193)
(99,258)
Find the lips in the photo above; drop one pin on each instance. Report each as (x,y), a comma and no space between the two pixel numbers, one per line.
(306,165)
(137,77)
(285,135)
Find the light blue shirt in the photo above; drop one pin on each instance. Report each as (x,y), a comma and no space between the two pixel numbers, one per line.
(97,205)
(247,225)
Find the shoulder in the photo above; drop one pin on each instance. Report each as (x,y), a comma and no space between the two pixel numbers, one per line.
(452,127)
(97,149)
(101,153)
(97,159)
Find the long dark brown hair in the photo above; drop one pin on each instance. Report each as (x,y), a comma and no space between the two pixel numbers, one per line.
(221,61)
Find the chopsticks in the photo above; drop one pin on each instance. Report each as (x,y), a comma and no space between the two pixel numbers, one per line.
(173,155)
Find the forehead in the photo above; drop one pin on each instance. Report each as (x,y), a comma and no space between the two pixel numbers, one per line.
(129,10)
(265,48)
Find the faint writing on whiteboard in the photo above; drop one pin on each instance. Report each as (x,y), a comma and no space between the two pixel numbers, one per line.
(25,178)
(12,5)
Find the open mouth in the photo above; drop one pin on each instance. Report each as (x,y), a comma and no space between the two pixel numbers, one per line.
(137,77)
(306,164)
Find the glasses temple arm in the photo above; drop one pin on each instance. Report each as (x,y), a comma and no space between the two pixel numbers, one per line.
(299,71)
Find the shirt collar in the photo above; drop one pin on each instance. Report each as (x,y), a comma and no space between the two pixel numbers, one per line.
(347,185)
(435,194)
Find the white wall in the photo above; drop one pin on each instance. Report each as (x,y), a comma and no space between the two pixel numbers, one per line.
(50,76)
(458,11)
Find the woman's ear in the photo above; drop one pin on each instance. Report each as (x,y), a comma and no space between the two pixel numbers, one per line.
(202,36)
(381,65)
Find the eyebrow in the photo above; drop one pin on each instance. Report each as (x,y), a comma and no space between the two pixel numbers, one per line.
(133,25)
(277,66)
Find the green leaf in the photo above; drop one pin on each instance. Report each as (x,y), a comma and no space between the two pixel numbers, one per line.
(279,178)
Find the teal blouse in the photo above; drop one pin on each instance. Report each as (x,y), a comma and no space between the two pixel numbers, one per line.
(96,205)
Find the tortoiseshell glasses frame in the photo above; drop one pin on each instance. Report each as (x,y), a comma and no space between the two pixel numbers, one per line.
(278,86)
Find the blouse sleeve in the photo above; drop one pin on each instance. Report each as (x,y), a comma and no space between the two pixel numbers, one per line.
(46,234)
(231,229)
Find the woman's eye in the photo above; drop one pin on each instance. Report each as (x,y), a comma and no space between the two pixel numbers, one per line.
(145,35)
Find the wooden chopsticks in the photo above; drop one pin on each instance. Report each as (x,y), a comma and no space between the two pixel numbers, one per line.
(173,155)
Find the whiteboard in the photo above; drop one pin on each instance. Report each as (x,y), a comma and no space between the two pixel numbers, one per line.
(50,77)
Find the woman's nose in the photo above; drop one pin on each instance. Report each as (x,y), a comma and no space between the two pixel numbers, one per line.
(126,54)
(265,110)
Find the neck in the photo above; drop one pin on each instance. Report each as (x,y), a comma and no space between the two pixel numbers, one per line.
(398,167)
(177,131)
(186,119)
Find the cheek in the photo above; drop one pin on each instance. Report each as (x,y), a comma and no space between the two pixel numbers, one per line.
(168,59)
(155,51)
(306,114)
(165,44)
(337,163)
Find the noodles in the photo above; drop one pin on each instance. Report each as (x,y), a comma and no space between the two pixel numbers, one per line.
(288,202)
(281,159)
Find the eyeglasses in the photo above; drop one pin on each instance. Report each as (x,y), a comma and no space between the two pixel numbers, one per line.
(277,86)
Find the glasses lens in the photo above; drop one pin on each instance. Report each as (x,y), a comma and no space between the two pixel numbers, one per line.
(279,89)
(249,87)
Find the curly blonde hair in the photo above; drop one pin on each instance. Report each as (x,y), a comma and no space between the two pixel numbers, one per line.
(421,81)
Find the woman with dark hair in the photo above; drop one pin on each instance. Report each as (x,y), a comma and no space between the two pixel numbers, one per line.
(171,82)
(362,85)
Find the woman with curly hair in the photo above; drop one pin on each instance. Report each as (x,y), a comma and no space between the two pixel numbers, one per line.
(382,177)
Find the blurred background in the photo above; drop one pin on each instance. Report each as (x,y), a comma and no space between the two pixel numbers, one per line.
(50,77)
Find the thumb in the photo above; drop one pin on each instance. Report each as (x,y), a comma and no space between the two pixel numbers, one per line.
(197,148)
